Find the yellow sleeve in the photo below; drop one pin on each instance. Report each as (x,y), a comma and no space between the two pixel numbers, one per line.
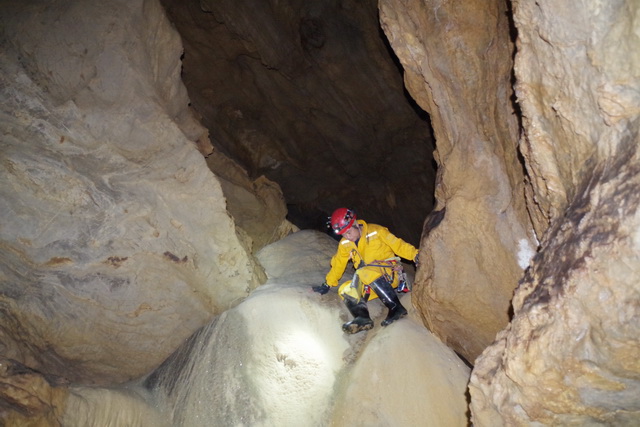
(399,246)
(338,265)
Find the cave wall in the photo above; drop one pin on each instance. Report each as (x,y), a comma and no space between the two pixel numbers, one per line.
(115,240)
(457,58)
(570,354)
(257,205)
(576,72)
(308,95)
(97,244)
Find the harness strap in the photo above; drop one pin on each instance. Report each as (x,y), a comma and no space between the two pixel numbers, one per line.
(391,262)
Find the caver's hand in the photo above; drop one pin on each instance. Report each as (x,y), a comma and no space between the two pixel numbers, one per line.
(321,289)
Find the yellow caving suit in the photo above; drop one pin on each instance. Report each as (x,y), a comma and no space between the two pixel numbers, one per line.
(376,246)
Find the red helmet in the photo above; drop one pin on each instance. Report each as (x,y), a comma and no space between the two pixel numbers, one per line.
(342,219)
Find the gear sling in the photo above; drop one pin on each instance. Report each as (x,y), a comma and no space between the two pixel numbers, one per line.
(359,286)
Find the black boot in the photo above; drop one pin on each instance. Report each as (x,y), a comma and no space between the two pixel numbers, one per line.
(360,312)
(389,298)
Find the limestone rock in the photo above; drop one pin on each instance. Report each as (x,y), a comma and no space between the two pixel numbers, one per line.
(570,355)
(577,85)
(115,241)
(257,206)
(402,384)
(94,406)
(457,62)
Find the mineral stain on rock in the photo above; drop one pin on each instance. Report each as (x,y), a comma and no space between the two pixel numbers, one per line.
(175,259)
(116,261)
(58,261)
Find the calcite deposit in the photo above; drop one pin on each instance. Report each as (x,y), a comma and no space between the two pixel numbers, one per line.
(284,360)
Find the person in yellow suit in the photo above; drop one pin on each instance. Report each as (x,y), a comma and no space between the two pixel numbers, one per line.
(374,251)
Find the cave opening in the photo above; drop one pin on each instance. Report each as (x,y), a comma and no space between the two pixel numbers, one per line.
(311,96)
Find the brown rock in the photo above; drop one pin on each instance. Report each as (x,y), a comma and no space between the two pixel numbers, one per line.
(257,206)
(576,96)
(570,355)
(456,57)
(27,398)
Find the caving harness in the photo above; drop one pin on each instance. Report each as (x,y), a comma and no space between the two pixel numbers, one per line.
(392,263)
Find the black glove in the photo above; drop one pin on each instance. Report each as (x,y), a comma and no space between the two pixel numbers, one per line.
(416,262)
(321,289)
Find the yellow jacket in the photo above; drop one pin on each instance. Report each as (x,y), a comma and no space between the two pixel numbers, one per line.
(376,244)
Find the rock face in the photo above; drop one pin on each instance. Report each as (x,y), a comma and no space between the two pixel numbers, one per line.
(115,241)
(570,355)
(28,398)
(282,358)
(308,95)
(577,84)
(257,206)
(457,62)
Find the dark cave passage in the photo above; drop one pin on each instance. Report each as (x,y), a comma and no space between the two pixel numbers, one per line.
(311,96)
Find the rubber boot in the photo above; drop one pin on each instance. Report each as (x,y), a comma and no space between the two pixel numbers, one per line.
(389,298)
(361,320)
